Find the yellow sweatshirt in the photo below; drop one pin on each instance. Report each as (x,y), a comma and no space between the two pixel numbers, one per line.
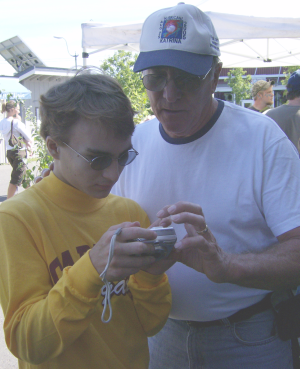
(52,296)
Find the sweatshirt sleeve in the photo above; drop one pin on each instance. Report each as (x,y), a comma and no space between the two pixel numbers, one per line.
(152,300)
(41,320)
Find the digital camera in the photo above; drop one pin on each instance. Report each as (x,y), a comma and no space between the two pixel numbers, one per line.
(164,242)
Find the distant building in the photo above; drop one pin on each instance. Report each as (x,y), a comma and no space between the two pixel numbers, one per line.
(38,80)
(224,92)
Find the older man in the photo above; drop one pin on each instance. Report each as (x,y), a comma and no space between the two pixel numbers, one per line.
(221,173)
(262,92)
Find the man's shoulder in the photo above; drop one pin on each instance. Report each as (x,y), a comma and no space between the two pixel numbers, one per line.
(148,125)
(126,205)
(120,201)
(22,204)
(274,111)
(253,108)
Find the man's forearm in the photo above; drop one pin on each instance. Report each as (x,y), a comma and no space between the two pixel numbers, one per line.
(274,269)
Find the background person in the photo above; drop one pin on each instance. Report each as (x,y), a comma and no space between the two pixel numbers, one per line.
(215,164)
(263,95)
(287,116)
(14,155)
(55,242)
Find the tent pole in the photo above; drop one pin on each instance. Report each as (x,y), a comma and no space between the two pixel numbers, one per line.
(84,53)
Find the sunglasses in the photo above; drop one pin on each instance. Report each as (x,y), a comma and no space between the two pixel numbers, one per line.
(184,82)
(104,161)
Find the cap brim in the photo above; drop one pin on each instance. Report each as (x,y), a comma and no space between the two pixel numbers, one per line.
(189,62)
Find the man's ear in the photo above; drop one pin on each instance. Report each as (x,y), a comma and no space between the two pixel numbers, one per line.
(217,72)
(52,147)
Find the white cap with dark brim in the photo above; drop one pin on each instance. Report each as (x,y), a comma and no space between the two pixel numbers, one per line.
(182,37)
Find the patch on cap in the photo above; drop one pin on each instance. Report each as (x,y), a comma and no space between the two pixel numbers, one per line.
(172,30)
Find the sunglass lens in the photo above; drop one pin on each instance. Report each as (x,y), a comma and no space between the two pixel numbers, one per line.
(101,162)
(127,157)
(154,82)
(187,83)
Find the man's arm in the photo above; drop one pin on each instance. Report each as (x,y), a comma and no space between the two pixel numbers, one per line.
(278,267)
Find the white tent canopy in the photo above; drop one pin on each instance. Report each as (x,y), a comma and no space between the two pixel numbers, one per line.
(245,41)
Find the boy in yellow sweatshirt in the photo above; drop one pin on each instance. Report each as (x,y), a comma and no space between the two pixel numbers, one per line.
(57,238)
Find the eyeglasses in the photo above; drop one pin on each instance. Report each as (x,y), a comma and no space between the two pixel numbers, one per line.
(104,161)
(184,82)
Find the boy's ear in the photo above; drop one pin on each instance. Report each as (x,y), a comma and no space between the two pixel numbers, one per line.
(52,147)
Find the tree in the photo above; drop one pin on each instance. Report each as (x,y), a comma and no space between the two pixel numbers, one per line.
(42,158)
(241,86)
(120,66)
(288,72)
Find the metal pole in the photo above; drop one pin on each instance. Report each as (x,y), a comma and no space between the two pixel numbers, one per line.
(73,56)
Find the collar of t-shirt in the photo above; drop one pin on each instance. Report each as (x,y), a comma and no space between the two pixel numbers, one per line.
(196,135)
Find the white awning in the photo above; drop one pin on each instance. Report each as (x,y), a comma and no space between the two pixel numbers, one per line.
(245,40)
(11,86)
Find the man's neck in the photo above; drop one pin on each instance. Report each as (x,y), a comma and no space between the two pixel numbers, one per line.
(208,112)
(259,105)
(294,102)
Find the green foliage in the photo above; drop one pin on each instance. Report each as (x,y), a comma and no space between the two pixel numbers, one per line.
(120,66)
(241,86)
(42,159)
(16,99)
(288,72)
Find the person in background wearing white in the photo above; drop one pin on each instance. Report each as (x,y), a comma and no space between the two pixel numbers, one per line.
(15,155)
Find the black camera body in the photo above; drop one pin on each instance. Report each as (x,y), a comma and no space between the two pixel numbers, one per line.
(164,242)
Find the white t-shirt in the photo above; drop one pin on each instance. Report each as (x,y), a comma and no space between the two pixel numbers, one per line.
(244,173)
(19,129)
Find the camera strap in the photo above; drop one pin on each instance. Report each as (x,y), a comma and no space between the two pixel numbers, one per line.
(108,285)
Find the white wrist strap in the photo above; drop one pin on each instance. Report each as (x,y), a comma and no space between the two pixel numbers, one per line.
(103,277)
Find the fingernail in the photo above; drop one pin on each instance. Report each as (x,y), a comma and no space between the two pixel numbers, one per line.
(171,209)
(175,217)
(160,214)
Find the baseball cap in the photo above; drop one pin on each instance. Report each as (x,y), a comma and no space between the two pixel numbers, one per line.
(294,82)
(261,86)
(182,37)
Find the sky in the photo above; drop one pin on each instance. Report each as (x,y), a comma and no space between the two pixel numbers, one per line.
(36,22)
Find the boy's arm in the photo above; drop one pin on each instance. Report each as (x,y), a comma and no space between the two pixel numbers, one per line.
(152,300)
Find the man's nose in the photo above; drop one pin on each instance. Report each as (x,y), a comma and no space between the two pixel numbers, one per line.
(170,92)
(113,171)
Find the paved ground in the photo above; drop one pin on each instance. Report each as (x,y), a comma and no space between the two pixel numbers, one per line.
(5,171)
(7,360)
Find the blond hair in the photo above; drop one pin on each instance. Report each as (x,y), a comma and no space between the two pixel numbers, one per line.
(9,105)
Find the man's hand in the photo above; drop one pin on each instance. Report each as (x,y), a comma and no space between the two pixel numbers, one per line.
(198,250)
(277,267)
(129,257)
